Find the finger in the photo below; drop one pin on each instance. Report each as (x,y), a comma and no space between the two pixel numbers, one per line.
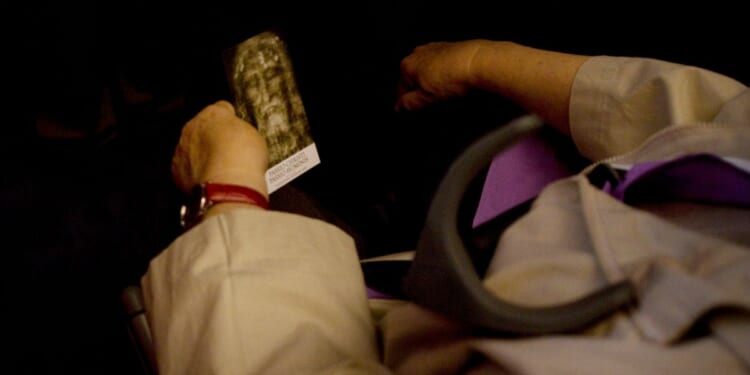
(406,78)
(218,110)
(226,105)
(413,100)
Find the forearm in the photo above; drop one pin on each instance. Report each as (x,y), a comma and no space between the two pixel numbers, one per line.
(537,80)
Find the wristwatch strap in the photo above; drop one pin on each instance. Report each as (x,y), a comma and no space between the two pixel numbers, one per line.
(208,194)
(225,193)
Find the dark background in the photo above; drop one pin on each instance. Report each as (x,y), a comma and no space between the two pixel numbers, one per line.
(86,208)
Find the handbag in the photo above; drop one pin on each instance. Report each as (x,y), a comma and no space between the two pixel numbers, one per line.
(444,278)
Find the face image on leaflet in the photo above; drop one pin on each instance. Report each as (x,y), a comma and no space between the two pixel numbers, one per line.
(265,93)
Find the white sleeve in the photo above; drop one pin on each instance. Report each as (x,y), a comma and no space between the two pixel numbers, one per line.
(618,102)
(253,291)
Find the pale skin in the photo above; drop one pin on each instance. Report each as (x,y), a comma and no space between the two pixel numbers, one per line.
(217,146)
(538,80)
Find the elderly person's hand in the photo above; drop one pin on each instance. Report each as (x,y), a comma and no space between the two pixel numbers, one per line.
(436,71)
(217,146)
(538,80)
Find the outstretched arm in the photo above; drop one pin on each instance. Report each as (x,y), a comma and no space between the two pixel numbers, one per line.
(609,105)
(538,80)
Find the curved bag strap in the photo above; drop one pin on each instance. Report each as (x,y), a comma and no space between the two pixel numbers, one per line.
(443,278)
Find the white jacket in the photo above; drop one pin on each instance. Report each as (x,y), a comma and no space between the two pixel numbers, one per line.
(251,291)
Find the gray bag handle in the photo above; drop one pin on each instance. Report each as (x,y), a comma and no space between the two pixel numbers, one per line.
(442,276)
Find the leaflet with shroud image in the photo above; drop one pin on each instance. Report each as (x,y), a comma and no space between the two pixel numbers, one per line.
(265,94)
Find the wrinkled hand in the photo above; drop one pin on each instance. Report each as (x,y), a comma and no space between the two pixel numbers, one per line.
(217,146)
(435,72)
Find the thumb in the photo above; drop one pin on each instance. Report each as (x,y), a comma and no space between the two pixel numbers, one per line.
(226,105)
(413,100)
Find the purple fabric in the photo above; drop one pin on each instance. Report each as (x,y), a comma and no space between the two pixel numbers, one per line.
(518,174)
(522,171)
(374,294)
(697,177)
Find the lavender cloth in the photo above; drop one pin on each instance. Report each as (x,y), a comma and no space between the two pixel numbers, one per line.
(701,177)
(522,171)
(376,294)
(518,174)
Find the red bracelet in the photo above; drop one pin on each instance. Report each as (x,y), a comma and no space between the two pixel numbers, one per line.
(225,193)
(206,195)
